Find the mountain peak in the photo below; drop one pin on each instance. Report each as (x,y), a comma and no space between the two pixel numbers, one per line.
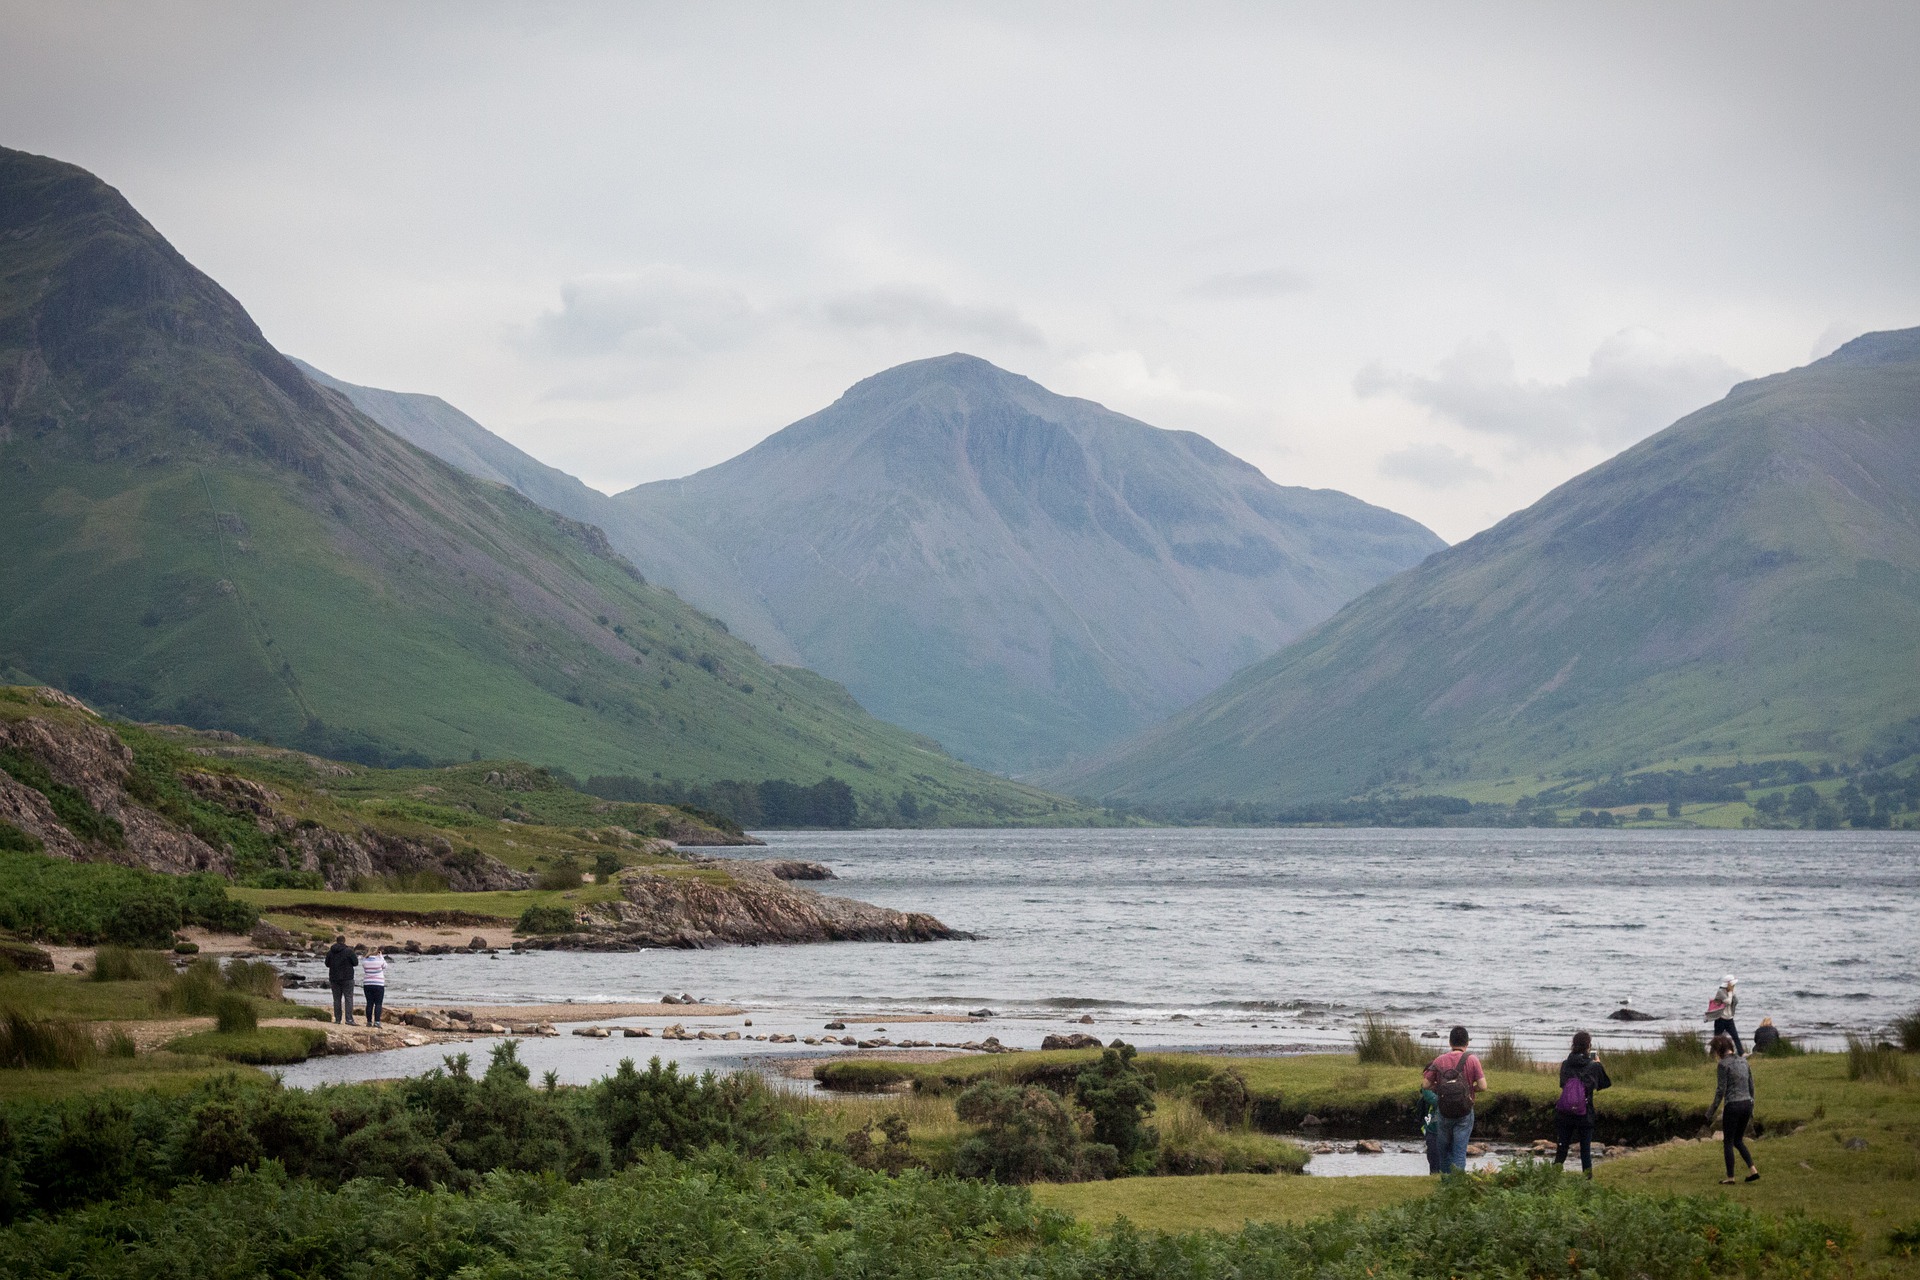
(956,369)
(1887,346)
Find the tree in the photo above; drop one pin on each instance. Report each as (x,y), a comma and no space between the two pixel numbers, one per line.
(1119,1096)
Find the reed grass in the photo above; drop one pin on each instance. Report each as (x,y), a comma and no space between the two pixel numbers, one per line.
(1677,1049)
(254,978)
(1906,1030)
(45,1043)
(129,964)
(1386,1043)
(1505,1054)
(1881,1063)
(233,1012)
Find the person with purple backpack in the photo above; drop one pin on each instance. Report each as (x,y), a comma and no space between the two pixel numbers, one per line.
(1581,1076)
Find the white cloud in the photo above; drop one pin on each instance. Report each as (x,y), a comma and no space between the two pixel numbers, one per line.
(906,308)
(1249,286)
(663,312)
(1435,466)
(1634,385)
(1123,376)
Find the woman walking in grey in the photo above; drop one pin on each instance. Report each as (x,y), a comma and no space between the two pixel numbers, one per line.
(1734,1086)
(1720,1009)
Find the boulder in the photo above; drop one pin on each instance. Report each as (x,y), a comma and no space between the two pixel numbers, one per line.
(836,1025)
(476,943)
(982,1013)
(669,999)
(1625,1014)
(731,1035)
(1086,1019)
(1072,1040)
(1368,1147)
(1476,1149)
(1311,1121)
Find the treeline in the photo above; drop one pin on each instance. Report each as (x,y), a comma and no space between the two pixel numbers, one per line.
(775,803)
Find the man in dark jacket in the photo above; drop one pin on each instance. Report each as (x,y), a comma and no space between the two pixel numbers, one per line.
(341,962)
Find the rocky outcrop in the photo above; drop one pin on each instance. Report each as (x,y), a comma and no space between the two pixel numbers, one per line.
(79,752)
(685,831)
(740,903)
(793,869)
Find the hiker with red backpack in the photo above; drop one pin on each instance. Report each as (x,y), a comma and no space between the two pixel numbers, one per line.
(1581,1076)
(1455,1077)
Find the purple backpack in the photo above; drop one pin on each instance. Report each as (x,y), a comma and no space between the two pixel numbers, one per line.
(1573,1097)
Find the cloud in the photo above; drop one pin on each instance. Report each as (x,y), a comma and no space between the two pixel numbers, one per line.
(1833,337)
(900,308)
(1634,385)
(661,313)
(1126,375)
(1243,286)
(1433,465)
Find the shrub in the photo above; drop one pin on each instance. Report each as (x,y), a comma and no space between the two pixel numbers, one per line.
(45,1043)
(892,1154)
(606,867)
(660,1109)
(88,903)
(1380,1041)
(1906,1030)
(541,919)
(124,964)
(564,876)
(1028,1134)
(1223,1098)
(1878,1062)
(234,1012)
(184,948)
(1119,1097)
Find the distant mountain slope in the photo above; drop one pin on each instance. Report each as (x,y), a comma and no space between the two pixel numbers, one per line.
(194,531)
(1021,575)
(1745,583)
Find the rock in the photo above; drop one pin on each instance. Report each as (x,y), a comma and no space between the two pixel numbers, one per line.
(848,1040)
(747,1023)
(636,1033)
(476,943)
(1073,1040)
(731,1035)
(983,1013)
(426,1020)
(836,1025)
(1323,1148)
(1367,1147)
(1086,1019)
(265,934)
(669,999)
(413,946)
(706,1035)
(460,1015)
(1476,1149)
(1855,1144)
(1625,1014)
(809,1039)
(687,999)
(1311,1121)
(439,949)
(792,869)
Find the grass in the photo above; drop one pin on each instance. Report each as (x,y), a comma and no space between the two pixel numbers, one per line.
(1869,1061)
(1906,1031)
(125,964)
(258,1046)
(1223,1202)
(44,1042)
(1381,1041)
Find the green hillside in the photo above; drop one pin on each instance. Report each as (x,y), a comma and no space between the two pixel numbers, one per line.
(1743,585)
(195,532)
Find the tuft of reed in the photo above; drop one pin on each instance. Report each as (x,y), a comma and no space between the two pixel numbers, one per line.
(1505,1054)
(234,1012)
(119,1045)
(254,978)
(1881,1063)
(1383,1042)
(127,964)
(196,989)
(44,1043)
(1906,1030)
(1677,1049)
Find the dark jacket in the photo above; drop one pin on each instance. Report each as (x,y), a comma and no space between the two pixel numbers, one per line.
(342,960)
(1592,1073)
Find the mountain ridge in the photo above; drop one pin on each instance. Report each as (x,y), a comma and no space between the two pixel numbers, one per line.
(1740,583)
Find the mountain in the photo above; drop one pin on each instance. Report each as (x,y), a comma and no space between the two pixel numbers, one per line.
(1745,583)
(195,531)
(1021,575)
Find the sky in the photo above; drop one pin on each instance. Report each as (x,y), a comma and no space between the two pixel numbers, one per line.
(1440,256)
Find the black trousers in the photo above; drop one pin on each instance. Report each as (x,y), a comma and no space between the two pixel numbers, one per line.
(376,993)
(1733,1133)
(1567,1128)
(1726,1025)
(342,1000)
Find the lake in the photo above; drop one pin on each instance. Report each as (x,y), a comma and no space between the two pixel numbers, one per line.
(1276,938)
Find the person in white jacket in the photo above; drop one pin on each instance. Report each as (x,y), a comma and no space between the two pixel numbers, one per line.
(373,981)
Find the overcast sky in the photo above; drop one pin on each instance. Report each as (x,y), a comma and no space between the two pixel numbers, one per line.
(1439,256)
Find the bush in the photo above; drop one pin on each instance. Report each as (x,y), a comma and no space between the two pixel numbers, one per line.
(1223,1098)
(1878,1062)
(124,964)
(44,1043)
(234,1012)
(1380,1041)
(1028,1134)
(88,903)
(1119,1097)
(184,948)
(564,876)
(539,919)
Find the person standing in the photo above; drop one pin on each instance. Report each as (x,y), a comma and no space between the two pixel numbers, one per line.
(373,983)
(1455,1077)
(1581,1076)
(1733,1084)
(1721,1009)
(341,962)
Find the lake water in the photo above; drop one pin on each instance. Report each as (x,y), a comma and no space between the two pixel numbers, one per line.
(1276,938)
